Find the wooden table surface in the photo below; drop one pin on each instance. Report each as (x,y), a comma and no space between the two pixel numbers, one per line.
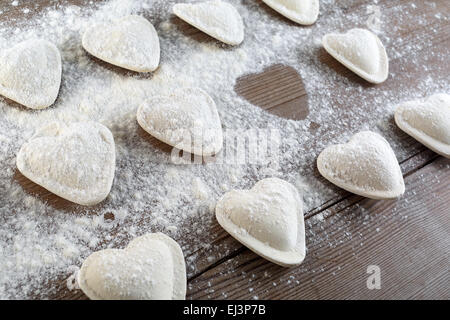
(409,238)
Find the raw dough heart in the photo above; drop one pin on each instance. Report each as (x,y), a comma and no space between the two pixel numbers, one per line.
(75,162)
(187,119)
(150,268)
(361,51)
(301,11)
(366,165)
(428,122)
(268,219)
(131,43)
(30,73)
(218,19)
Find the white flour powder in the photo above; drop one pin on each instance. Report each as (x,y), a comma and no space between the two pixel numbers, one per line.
(40,242)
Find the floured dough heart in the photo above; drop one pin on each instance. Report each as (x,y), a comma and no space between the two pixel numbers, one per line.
(268,219)
(218,19)
(75,162)
(301,11)
(151,267)
(428,122)
(131,43)
(361,51)
(30,73)
(366,165)
(187,119)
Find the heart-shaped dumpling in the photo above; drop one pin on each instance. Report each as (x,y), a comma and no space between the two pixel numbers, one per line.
(366,165)
(30,73)
(428,122)
(361,51)
(187,119)
(76,161)
(216,18)
(130,42)
(268,219)
(301,11)
(151,267)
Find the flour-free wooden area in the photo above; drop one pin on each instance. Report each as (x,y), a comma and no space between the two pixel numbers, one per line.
(408,239)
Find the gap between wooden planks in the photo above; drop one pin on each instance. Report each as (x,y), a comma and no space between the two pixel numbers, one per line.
(408,239)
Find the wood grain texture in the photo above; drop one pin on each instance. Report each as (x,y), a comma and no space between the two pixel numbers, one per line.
(279,90)
(408,239)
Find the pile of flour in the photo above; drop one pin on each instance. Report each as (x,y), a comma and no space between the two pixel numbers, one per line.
(40,242)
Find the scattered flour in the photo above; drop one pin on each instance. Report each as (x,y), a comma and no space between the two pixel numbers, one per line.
(40,242)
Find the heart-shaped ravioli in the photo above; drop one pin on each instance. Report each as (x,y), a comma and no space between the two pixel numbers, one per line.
(428,122)
(151,267)
(187,119)
(361,51)
(131,43)
(218,19)
(30,73)
(268,219)
(75,162)
(366,165)
(301,11)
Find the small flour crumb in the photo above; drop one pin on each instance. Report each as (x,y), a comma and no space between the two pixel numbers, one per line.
(200,190)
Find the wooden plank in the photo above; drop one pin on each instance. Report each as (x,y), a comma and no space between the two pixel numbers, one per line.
(408,239)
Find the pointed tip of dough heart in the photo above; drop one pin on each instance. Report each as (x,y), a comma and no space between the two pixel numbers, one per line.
(427,121)
(268,219)
(218,19)
(130,42)
(30,73)
(151,267)
(304,12)
(75,162)
(186,119)
(361,51)
(366,166)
